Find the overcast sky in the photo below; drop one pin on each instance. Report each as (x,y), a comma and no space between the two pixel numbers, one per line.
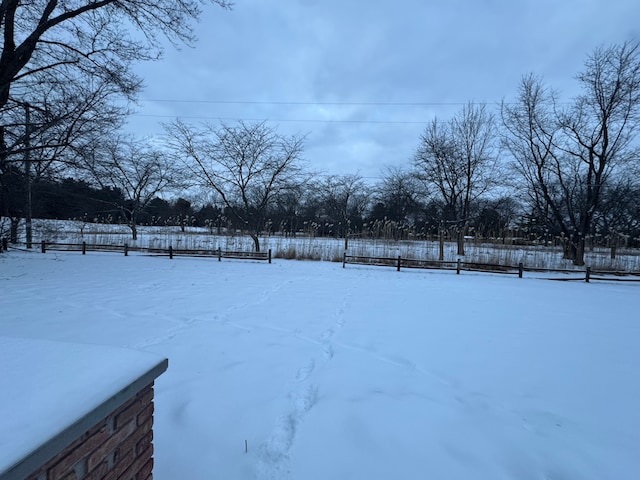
(362,78)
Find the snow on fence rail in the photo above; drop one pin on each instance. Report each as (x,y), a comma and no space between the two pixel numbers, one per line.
(459,265)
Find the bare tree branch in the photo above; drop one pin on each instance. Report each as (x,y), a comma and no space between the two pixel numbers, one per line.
(247,165)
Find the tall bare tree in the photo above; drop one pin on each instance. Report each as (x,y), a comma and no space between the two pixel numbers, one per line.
(50,130)
(566,155)
(68,63)
(247,165)
(140,172)
(458,158)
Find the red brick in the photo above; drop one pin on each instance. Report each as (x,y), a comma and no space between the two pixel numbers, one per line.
(144,443)
(111,475)
(126,415)
(146,394)
(70,476)
(78,453)
(125,405)
(41,473)
(131,472)
(95,429)
(129,409)
(125,461)
(138,434)
(110,444)
(145,413)
(145,471)
(98,472)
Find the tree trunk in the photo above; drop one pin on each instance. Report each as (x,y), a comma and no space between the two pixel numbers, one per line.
(579,248)
(256,241)
(441,245)
(134,230)
(460,240)
(13,229)
(293,227)
(568,249)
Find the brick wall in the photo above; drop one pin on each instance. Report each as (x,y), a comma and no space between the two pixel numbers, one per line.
(120,447)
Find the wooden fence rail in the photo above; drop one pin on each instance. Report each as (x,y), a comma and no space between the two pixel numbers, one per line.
(170,252)
(459,265)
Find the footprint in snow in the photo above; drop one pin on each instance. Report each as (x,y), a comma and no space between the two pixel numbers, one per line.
(327,351)
(304,372)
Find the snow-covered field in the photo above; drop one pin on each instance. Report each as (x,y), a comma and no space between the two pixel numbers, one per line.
(321,248)
(363,372)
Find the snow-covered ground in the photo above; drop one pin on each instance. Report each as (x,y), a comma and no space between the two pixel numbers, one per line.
(354,373)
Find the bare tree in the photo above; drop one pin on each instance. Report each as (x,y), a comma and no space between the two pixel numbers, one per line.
(400,195)
(140,172)
(44,136)
(567,155)
(458,158)
(88,37)
(68,63)
(343,200)
(618,217)
(288,206)
(248,166)
(59,121)
(496,215)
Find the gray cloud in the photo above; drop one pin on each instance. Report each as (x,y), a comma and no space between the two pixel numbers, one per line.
(439,52)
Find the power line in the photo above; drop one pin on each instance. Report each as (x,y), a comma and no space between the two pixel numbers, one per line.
(285,120)
(303,103)
(359,104)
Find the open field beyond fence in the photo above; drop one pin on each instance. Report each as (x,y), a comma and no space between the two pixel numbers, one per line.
(194,241)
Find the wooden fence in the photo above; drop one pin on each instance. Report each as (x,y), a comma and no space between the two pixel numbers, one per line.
(398,263)
(170,252)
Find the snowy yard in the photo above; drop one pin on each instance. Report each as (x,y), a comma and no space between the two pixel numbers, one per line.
(363,372)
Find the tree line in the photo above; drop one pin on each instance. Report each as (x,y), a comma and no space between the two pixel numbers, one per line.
(552,170)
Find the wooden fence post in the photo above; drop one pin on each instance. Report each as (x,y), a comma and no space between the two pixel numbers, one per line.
(458,267)
(170,252)
(84,248)
(399,260)
(5,244)
(588,275)
(43,246)
(219,254)
(520,269)
(269,255)
(126,250)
